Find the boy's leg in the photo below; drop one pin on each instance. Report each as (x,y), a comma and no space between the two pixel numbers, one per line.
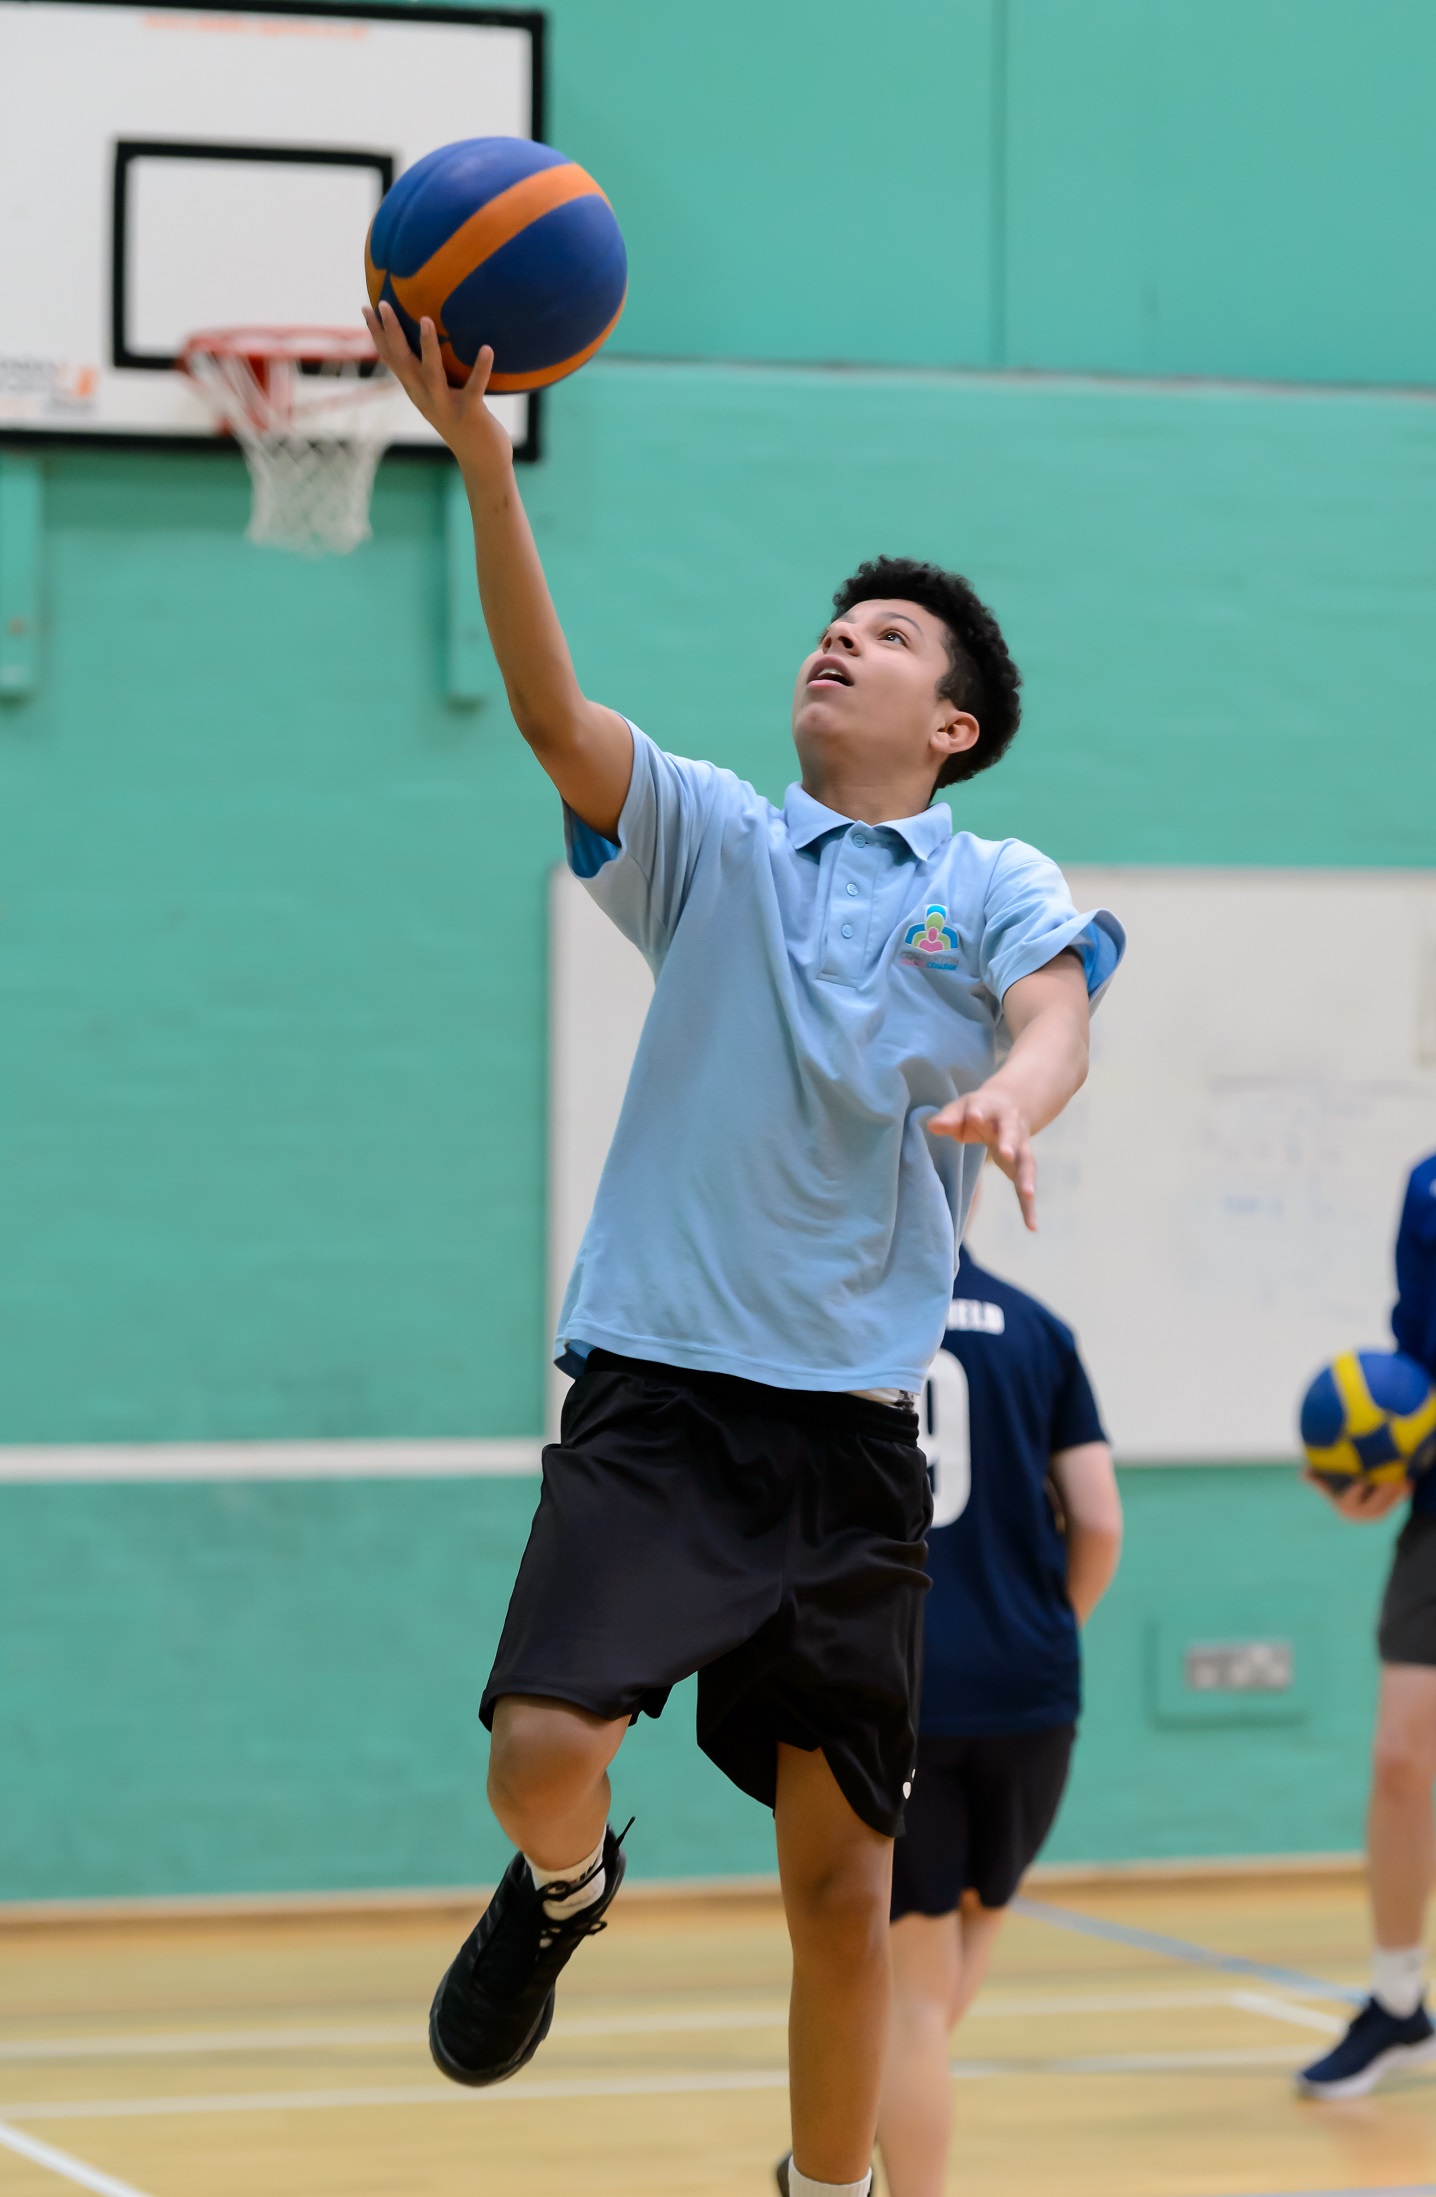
(915,2114)
(938,1964)
(979,1926)
(1393,2029)
(836,1875)
(548,1777)
(548,1781)
(1401,1834)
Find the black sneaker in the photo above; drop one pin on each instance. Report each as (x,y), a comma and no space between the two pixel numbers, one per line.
(494,2007)
(1375,2043)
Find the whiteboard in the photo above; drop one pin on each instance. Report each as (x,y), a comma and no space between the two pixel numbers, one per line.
(1217,1207)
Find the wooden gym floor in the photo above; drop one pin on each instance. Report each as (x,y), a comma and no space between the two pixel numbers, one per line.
(228,2058)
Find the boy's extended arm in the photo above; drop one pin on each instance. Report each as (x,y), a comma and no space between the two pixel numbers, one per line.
(1050,1021)
(586,749)
(1092,1512)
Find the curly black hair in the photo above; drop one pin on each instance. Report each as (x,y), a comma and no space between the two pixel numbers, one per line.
(983,678)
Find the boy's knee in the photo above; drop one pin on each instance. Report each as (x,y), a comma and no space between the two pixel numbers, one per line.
(541,1752)
(1400,1764)
(841,1907)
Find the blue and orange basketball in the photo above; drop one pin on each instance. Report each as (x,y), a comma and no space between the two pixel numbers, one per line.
(500,241)
(1369,1416)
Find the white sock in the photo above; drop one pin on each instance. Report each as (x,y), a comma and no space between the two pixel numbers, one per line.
(803,2185)
(586,1876)
(1398,1978)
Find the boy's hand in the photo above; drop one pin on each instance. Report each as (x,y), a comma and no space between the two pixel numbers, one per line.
(1048,1015)
(1364,1500)
(461,416)
(989,1116)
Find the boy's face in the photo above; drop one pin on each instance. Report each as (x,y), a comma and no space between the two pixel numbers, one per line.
(867,704)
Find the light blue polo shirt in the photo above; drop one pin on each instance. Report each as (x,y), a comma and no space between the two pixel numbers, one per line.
(772,1205)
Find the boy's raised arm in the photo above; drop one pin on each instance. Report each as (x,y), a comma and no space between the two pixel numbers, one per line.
(586,749)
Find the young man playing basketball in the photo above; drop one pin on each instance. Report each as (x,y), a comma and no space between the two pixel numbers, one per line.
(738,1489)
(1012,1421)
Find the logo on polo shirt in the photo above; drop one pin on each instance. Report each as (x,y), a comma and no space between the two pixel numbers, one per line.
(932,943)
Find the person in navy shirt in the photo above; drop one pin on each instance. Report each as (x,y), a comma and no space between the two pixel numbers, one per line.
(1026,1532)
(1393,2028)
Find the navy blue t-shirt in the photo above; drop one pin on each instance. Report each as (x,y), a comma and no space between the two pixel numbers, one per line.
(1413,1322)
(1006,1391)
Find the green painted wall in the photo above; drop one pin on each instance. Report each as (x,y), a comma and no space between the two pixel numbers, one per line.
(272,910)
(1237,187)
(794,182)
(271,967)
(191,1701)
(1245,187)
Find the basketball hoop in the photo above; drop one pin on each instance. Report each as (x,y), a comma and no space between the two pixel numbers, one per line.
(309,409)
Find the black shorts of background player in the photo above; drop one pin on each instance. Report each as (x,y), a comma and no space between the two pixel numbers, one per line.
(1393,2029)
(1011,1422)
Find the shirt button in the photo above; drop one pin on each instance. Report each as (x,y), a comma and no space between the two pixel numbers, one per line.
(860,839)
(847,930)
(852,892)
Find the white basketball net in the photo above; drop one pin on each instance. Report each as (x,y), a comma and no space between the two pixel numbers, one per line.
(312,440)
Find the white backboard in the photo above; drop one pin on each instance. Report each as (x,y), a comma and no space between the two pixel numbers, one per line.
(1218,1206)
(166,169)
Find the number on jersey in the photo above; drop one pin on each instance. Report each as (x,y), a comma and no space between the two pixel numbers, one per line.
(946,1437)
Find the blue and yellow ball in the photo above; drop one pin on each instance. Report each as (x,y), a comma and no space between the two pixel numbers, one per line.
(1369,1416)
(500,241)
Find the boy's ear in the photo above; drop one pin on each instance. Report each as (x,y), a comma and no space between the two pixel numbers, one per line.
(959,732)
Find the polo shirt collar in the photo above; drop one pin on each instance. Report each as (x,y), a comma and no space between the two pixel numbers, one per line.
(807,820)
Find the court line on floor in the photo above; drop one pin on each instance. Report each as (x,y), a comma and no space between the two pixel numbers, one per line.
(1182,1949)
(388,2094)
(61,2163)
(693,2083)
(215,2043)
(1282,2010)
(173,2044)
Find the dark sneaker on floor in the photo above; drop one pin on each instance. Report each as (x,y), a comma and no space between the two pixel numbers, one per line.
(494,2007)
(1375,2044)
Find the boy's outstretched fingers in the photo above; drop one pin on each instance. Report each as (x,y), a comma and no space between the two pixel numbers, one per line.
(431,359)
(476,387)
(393,348)
(976,1119)
(460,415)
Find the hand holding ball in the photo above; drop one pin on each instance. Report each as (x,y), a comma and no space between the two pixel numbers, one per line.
(1369,1419)
(503,242)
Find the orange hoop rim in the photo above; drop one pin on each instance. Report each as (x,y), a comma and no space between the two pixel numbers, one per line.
(270,346)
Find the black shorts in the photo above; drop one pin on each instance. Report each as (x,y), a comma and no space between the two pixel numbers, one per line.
(980,1808)
(1407,1630)
(771,1540)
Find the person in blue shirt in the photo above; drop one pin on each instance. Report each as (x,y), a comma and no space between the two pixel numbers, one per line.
(851,1002)
(1393,2028)
(1025,1538)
